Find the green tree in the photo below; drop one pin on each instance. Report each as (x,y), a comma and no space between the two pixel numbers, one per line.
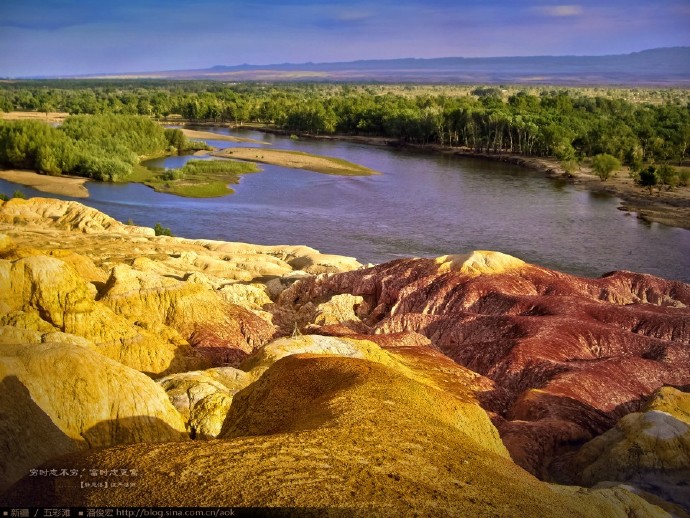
(605,164)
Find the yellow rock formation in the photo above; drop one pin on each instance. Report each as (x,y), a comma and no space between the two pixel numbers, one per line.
(342,433)
(64,215)
(61,396)
(153,301)
(203,398)
(43,293)
(649,449)
(479,262)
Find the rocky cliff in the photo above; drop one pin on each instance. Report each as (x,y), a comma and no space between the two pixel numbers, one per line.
(429,384)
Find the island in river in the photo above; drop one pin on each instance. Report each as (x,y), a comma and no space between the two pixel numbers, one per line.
(296,160)
(197,179)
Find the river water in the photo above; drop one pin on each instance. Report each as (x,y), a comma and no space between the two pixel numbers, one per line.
(422,205)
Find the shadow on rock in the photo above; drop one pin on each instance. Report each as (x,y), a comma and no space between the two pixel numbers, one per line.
(28,436)
(45,486)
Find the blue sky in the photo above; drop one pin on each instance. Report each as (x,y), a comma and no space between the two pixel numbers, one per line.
(52,37)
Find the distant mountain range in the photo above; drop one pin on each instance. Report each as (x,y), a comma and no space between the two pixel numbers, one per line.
(662,66)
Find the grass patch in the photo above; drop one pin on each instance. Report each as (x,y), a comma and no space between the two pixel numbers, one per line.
(143,174)
(199,178)
(192,190)
(298,160)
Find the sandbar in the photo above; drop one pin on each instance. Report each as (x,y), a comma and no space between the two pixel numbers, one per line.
(64,185)
(218,136)
(296,160)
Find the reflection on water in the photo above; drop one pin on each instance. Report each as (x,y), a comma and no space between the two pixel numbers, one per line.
(422,205)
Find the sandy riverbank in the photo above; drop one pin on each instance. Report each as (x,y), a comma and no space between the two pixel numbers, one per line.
(62,185)
(671,208)
(361,139)
(668,207)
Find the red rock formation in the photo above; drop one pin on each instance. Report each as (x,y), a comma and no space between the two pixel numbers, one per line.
(569,355)
(231,341)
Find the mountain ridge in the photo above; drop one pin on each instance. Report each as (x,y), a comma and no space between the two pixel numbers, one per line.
(660,66)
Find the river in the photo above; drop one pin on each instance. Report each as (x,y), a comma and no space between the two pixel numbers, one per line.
(421,205)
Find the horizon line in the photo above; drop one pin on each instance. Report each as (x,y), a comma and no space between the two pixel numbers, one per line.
(98,75)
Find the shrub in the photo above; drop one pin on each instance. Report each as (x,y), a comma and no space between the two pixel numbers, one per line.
(667,175)
(160,230)
(604,164)
(684,178)
(172,174)
(648,177)
(569,166)
(176,139)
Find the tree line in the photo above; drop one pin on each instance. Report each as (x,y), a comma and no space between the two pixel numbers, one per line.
(564,123)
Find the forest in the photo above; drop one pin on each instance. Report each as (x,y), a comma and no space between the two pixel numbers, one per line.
(638,128)
(103,147)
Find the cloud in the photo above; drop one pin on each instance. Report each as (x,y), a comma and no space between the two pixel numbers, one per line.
(353,15)
(559,11)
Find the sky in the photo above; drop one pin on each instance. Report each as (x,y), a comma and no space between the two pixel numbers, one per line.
(70,37)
